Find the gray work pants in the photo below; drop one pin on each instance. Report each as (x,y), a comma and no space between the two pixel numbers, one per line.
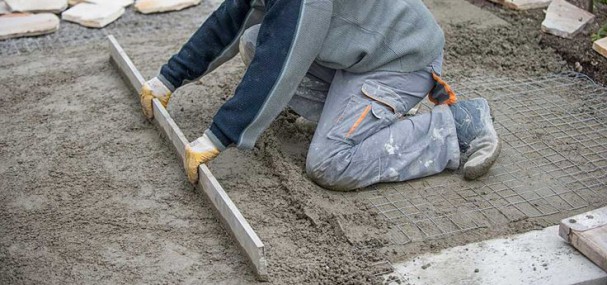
(362,138)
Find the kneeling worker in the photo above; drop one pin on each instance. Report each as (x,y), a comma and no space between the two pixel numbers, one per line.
(378,59)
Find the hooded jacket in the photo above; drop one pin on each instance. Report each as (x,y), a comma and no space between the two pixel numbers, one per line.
(353,35)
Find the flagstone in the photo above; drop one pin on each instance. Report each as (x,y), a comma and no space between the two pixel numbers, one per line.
(157,6)
(50,6)
(4,9)
(123,3)
(26,24)
(564,19)
(526,4)
(93,15)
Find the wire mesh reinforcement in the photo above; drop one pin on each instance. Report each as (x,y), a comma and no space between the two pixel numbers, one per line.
(553,160)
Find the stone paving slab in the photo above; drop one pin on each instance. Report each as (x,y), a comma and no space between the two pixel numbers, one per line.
(123,3)
(4,9)
(565,20)
(51,6)
(158,6)
(93,15)
(523,4)
(526,4)
(21,25)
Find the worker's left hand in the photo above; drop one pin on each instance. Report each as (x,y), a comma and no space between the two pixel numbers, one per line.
(200,151)
(154,88)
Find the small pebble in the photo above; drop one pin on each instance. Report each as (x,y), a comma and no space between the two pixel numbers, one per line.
(476,270)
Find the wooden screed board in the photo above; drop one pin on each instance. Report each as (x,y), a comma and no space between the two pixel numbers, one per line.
(587,232)
(229,214)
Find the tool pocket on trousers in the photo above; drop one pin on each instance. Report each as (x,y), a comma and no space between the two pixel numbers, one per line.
(365,115)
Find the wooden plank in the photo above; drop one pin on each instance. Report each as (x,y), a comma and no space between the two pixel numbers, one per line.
(125,65)
(600,46)
(593,244)
(170,128)
(587,232)
(229,214)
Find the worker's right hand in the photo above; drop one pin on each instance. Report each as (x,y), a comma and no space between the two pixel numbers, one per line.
(154,88)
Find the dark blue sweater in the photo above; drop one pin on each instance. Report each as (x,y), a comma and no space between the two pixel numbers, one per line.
(354,35)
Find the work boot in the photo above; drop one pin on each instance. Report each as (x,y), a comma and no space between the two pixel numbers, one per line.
(477,138)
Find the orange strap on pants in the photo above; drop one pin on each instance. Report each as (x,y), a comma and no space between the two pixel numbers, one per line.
(441,93)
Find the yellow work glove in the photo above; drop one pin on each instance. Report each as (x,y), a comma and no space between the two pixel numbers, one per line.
(200,151)
(154,88)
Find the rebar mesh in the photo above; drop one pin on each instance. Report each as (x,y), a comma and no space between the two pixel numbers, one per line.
(553,160)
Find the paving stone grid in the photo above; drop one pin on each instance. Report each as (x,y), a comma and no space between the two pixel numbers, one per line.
(554,159)
(131,24)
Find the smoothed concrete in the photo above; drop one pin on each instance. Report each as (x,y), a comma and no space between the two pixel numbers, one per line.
(536,257)
(455,12)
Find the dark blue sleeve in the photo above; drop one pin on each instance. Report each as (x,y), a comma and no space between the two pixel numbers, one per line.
(290,38)
(215,42)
